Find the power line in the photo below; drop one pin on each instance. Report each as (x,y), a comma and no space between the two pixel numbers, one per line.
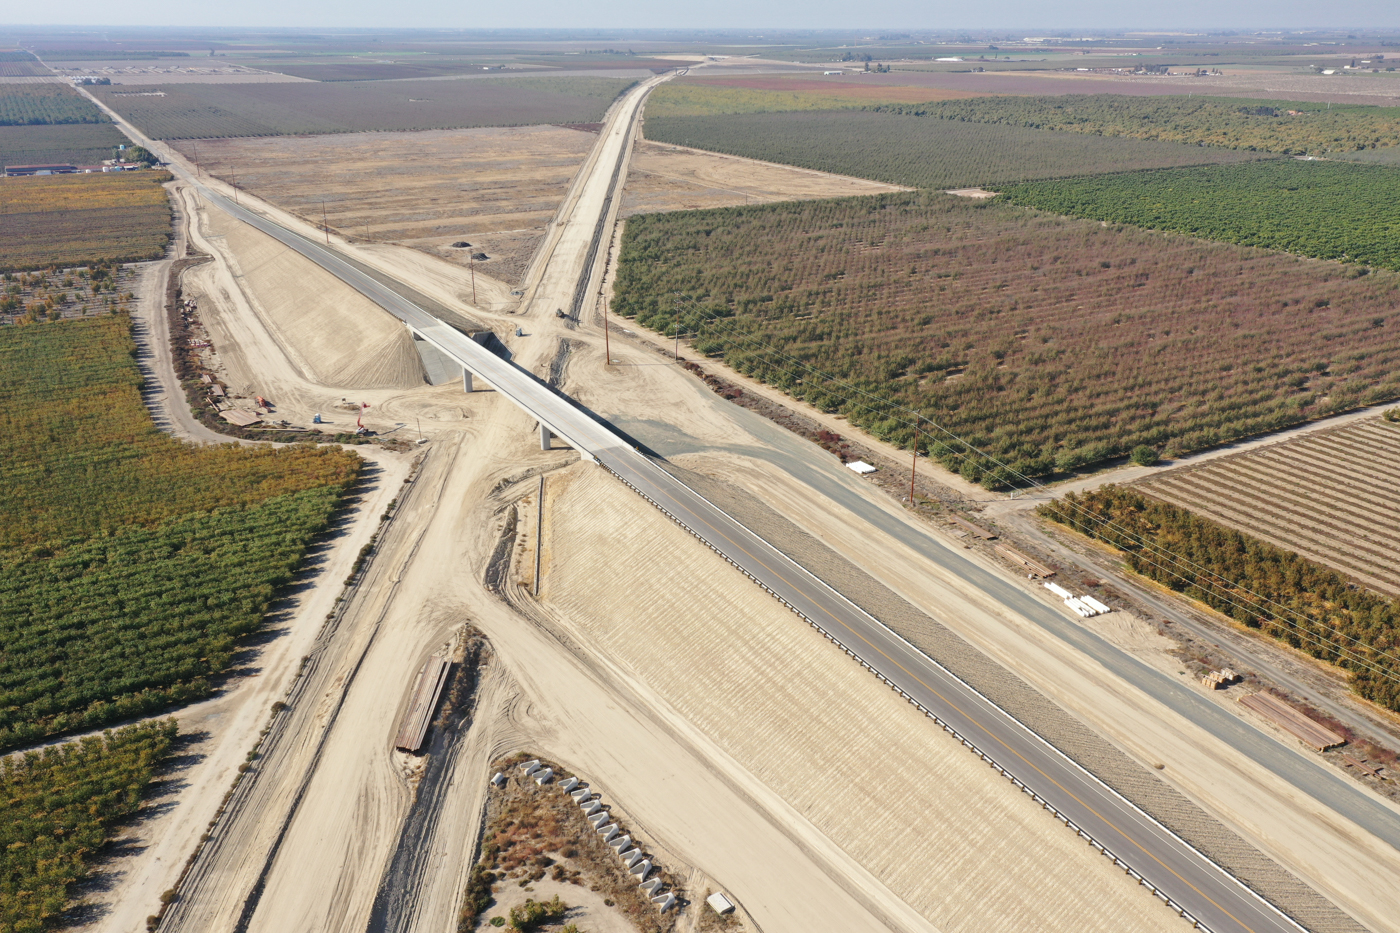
(1296,622)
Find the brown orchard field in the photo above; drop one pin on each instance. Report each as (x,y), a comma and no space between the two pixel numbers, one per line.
(200,111)
(1047,342)
(495,188)
(1331,496)
(59,143)
(852,87)
(71,220)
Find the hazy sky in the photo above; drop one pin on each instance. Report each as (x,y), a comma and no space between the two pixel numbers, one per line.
(745,14)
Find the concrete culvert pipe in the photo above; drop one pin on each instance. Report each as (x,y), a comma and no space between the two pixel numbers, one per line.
(599,818)
(633,858)
(629,855)
(609,832)
(580,793)
(499,779)
(665,902)
(641,869)
(621,843)
(543,775)
(653,885)
(530,767)
(592,807)
(569,784)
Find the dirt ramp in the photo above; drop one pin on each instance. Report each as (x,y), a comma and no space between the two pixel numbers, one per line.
(331,332)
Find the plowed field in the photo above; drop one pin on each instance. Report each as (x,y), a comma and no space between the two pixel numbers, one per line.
(1332,496)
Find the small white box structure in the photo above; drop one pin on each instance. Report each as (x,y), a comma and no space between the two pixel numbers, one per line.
(499,779)
(1058,590)
(664,902)
(719,903)
(569,784)
(860,466)
(1094,604)
(543,775)
(1079,609)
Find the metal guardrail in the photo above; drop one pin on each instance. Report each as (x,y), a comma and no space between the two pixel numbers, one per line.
(1117,860)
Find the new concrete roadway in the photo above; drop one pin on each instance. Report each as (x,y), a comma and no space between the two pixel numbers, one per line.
(1182,876)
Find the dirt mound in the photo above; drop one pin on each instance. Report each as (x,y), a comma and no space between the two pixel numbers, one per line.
(335,335)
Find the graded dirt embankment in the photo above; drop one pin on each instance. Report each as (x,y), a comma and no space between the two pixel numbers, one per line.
(332,334)
(958,843)
(495,188)
(672,178)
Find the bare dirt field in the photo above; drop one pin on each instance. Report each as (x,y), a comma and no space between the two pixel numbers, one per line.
(672,178)
(1330,496)
(495,188)
(764,685)
(172,71)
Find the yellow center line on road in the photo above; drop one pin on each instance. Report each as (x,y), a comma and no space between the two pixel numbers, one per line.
(972,719)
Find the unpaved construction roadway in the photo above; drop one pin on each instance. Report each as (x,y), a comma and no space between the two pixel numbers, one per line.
(1182,876)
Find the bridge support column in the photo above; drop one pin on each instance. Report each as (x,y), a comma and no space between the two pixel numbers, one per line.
(466,379)
(545,437)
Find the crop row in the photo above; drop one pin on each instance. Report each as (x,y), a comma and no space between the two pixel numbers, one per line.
(134,561)
(130,623)
(1296,600)
(1287,127)
(57,808)
(921,153)
(1330,210)
(1047,342)
(689,97)
(67,144)
(80,456)
(198,111)
(1331,494)
(69,220)
(27,104)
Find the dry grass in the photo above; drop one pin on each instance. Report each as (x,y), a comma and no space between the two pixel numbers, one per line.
(537,831)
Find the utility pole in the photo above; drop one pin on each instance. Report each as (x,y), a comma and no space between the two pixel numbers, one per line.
(325,224)
(471,262)
(607,344)
(914,466)
(233,173)
(197,170)
(676,306)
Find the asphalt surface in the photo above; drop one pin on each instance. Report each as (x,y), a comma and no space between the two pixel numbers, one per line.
(1141,845)
(1179,874)
(1297,769)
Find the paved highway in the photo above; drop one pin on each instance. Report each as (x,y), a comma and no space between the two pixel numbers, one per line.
(1180,875)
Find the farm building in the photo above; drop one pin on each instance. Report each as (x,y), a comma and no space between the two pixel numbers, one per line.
(12,170)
